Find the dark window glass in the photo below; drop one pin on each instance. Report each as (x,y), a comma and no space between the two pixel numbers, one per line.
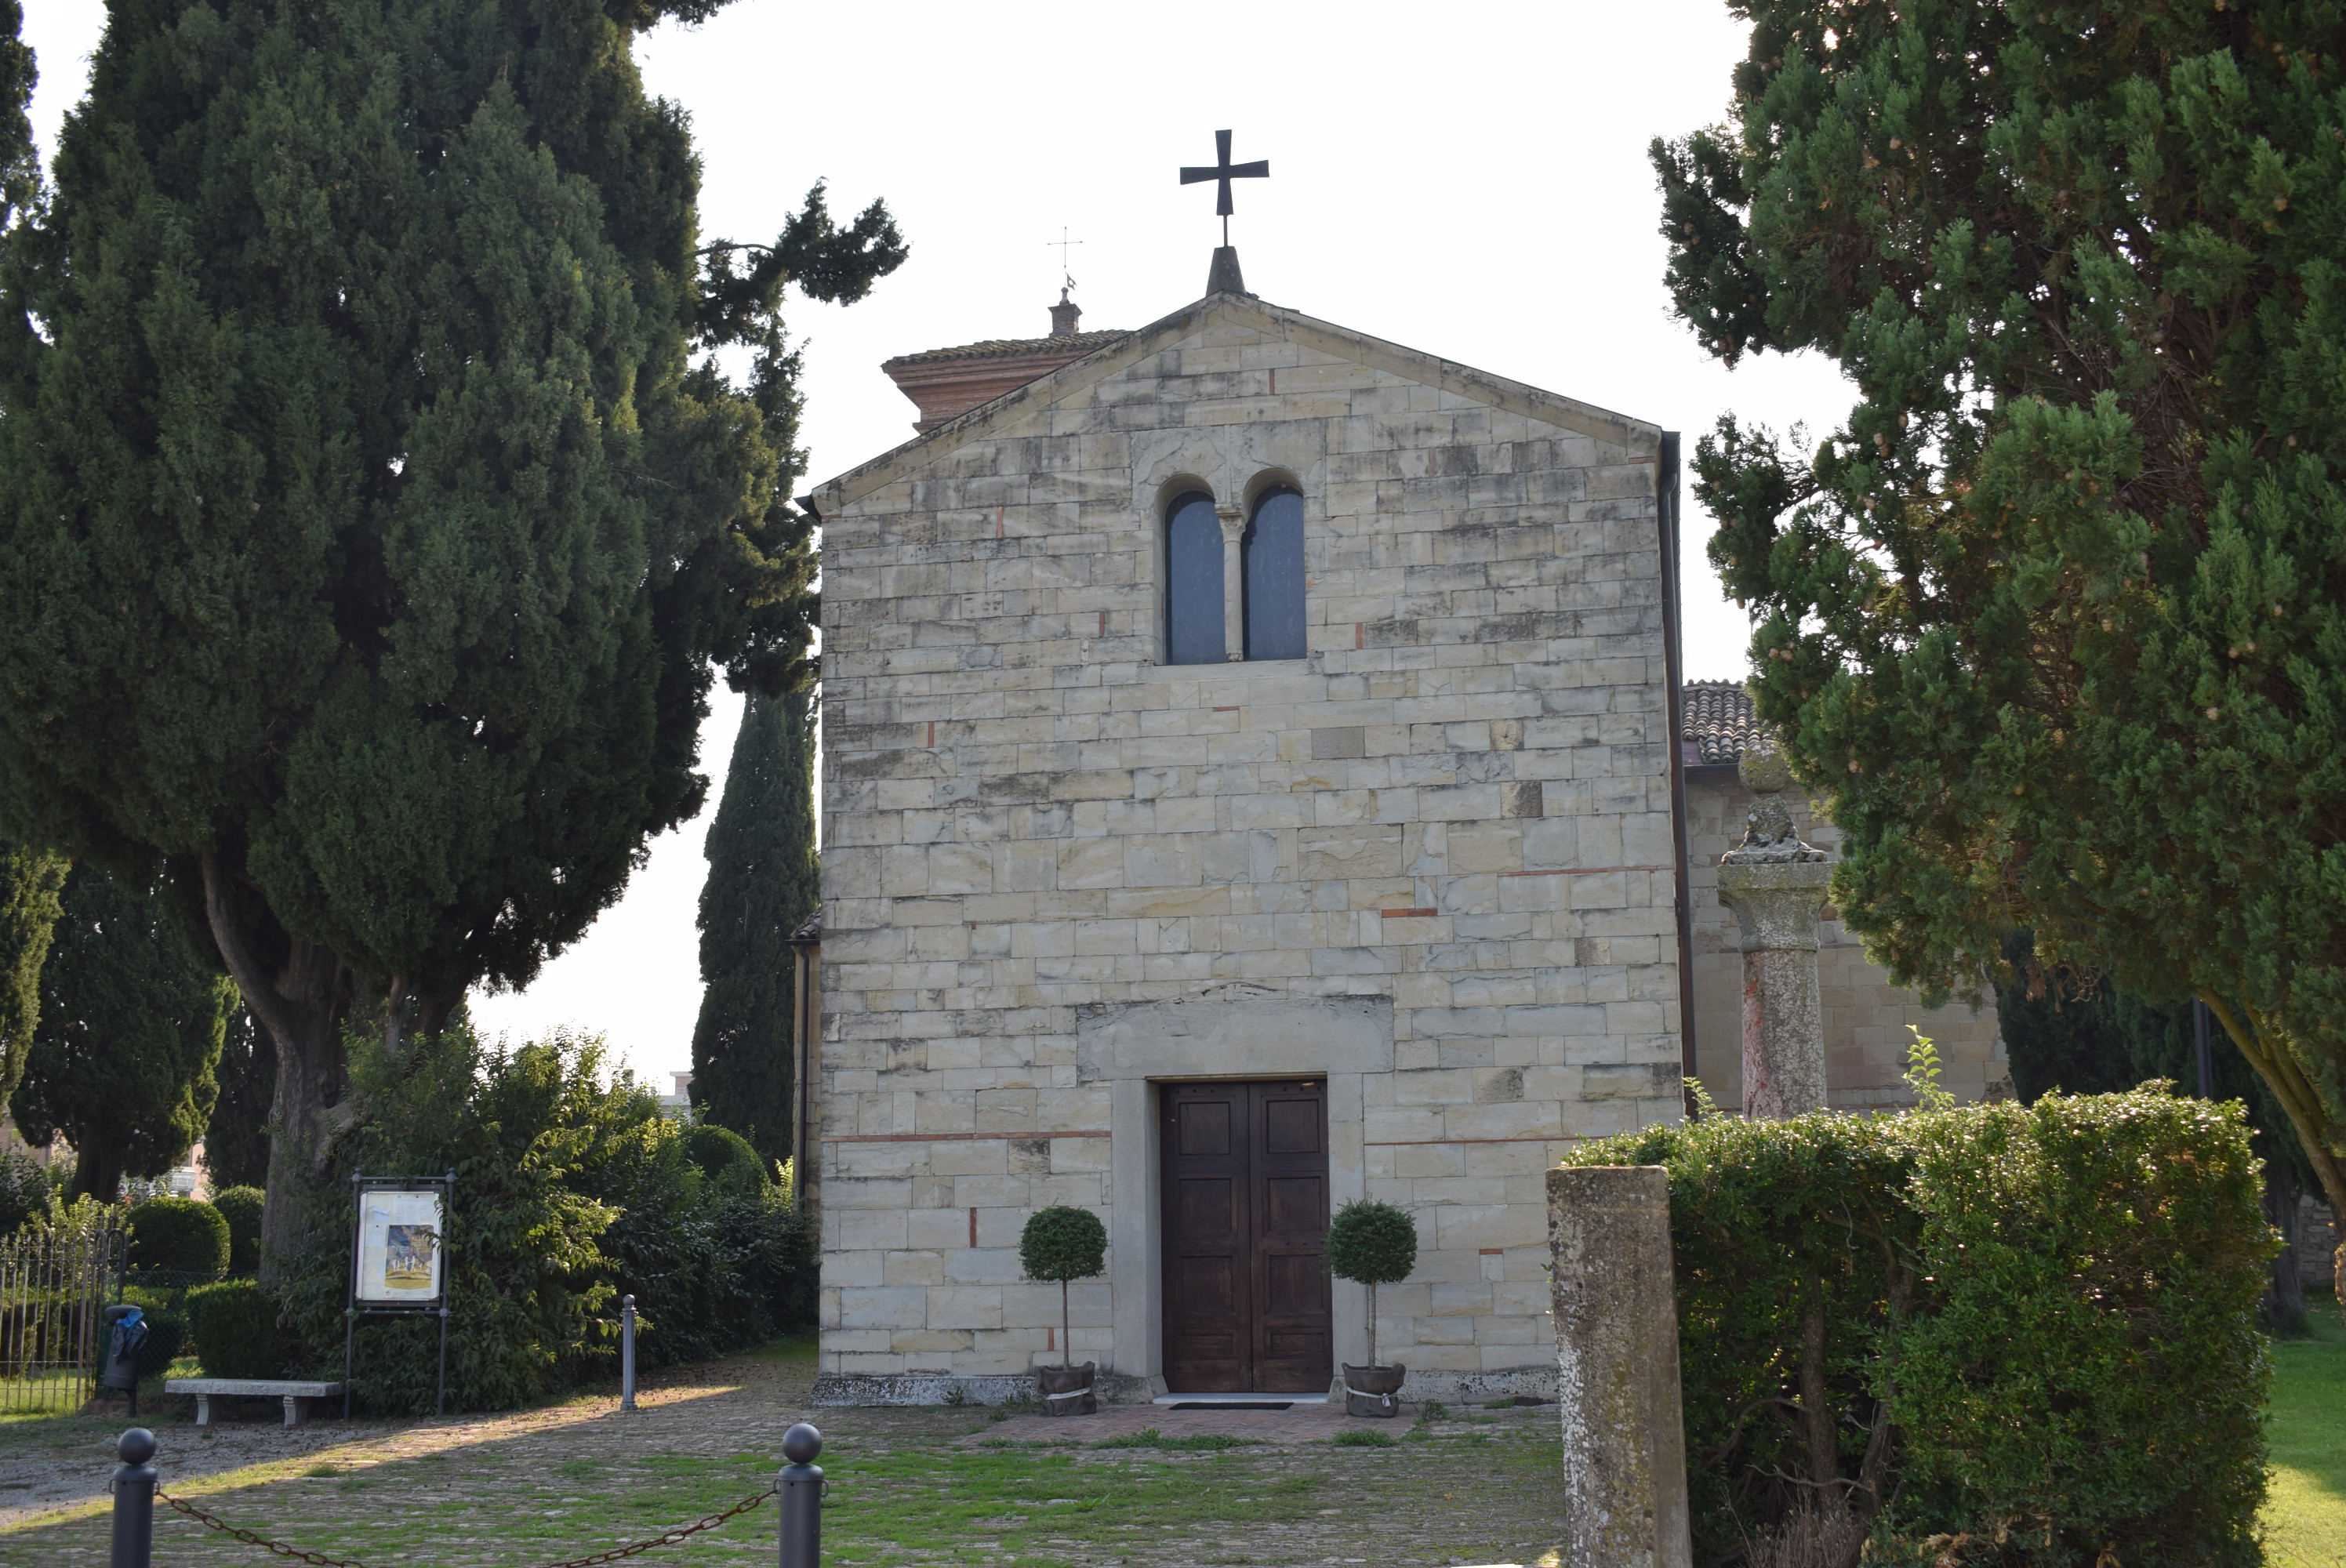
(1193,581)
(1273,553)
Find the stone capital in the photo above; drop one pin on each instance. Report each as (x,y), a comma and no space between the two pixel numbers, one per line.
(1776,901)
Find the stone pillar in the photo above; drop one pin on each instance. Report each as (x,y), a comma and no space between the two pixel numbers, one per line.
(1617,1355)
(1233,520)
(1776,884)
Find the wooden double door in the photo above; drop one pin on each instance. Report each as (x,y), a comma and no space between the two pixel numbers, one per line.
(1246,1216)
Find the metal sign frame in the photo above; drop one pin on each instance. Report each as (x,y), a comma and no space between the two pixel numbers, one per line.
(437,1307)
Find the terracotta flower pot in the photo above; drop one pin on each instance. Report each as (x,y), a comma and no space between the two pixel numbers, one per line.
(1066,1391)
(1371,1390)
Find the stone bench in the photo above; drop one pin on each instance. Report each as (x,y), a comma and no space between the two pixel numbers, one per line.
(296,1395)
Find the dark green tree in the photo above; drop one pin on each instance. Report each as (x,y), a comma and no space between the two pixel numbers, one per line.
(2057,620)
(762,885)
(376,516)
(31,885)
(236,1144)
(131,1025)
(30,880)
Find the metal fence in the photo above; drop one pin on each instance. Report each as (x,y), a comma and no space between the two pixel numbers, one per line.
(52,1291)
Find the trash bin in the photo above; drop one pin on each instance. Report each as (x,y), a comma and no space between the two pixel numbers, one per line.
(125,1337)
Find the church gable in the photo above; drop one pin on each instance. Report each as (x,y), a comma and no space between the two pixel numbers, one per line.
(1212,338)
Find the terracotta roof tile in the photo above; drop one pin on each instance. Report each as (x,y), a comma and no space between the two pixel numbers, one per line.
(1716,718)
(1080,343)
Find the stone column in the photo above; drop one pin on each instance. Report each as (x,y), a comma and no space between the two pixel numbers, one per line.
(1776,884)
(1233,521)
(1617,1355)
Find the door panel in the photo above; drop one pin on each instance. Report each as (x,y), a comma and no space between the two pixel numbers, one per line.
(1206,1127)
(1294,1204)
(1245,1213)
(1292,1125)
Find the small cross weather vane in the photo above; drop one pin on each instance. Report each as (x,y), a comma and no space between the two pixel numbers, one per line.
(1063,244)
(1224,171)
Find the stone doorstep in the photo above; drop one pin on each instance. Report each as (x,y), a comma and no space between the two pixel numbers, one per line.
(296,1395)
(1299,1423)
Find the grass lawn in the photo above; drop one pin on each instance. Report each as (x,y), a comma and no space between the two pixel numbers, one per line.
(908,1486)
(2305,1518)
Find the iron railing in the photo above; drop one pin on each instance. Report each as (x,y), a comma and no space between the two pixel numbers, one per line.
(52,1291)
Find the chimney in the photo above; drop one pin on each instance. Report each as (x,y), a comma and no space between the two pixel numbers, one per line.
(1063,316)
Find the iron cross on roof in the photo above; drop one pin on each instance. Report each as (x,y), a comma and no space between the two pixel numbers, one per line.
(1226,171)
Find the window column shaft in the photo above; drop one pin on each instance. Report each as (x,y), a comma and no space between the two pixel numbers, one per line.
(1233,584)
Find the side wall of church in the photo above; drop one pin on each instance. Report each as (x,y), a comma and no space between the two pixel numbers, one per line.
(1430,861)
(1865,1016)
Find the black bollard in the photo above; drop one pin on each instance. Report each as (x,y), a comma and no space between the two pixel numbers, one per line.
(626,1352)
(801,1500)
(133,1500)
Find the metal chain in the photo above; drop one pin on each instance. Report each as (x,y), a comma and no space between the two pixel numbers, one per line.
(319,1560)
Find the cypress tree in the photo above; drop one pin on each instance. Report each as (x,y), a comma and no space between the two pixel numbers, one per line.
(30,887)
(132,1022)
(762,885)
(235,1143)
(30,881)
(375,515)
(2057,619)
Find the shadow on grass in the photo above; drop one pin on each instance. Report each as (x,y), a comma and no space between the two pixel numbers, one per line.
(2305,1515)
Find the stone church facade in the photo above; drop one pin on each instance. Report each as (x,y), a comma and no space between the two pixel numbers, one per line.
(1417,880)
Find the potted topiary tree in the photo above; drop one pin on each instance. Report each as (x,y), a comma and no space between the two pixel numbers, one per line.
(1063,1242)
(1375,1244)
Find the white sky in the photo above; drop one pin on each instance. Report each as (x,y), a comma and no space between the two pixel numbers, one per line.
(1470,182)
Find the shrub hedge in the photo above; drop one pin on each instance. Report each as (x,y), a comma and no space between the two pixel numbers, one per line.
(236,1331)
(2027,1332)
(241,1206)
(24,1190)
(571,1189)
(178,1235)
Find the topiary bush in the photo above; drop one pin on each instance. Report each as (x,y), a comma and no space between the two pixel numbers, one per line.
(723,1155)
(241,1206)
(1372,1244)
(2032,1329)
(178,1235)
(236,1329)
(1063,1243)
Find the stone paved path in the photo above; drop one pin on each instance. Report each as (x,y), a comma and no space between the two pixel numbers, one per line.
(1296,1424)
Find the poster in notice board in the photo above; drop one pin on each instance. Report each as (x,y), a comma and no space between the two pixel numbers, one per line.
(399,1255)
